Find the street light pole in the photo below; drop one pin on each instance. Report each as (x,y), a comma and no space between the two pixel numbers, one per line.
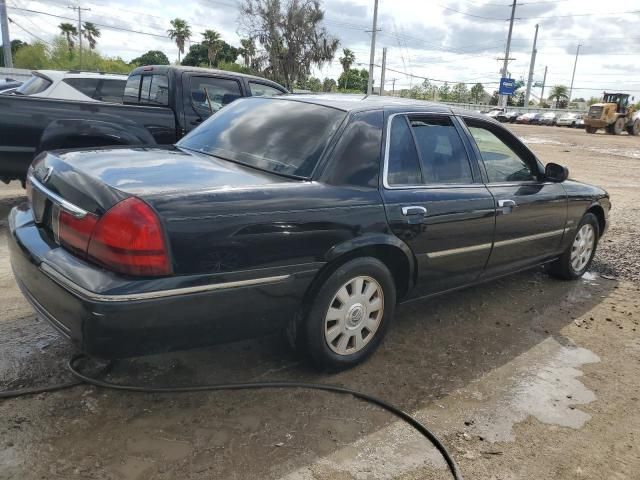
(6,42)
(531,68)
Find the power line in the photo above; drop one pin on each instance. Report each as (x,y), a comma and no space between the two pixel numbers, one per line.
(11,20)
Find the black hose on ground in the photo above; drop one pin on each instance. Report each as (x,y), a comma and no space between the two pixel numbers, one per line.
(83,378)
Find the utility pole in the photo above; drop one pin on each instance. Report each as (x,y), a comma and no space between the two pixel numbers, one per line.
(532,65)
(544,82)
(79,9)
(373,47)
(393,87)
(505,65)
(384,67)
(575,64)
(6,43)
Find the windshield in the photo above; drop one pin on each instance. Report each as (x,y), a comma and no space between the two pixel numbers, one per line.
(279,136)
(35,84)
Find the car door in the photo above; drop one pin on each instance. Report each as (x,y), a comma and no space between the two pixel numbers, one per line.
(204,95)
(531,213)
(435,200)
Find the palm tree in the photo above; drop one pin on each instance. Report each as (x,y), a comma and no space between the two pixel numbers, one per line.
(559,92)
(247,50)
(70,32)
(347,59)
(180,33)
(91,33)
(211,40)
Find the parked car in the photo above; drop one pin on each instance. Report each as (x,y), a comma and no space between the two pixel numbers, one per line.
(569,120)
(548,118)
(283,213)
(530,118)
(74,85)
(494,113)
(508,117)
(161,104)
(580,122)
(9,85)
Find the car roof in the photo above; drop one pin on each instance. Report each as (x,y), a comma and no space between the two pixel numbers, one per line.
(57,75)
(162,69)
(354,102)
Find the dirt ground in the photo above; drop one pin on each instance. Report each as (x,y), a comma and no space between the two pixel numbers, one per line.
(526,377)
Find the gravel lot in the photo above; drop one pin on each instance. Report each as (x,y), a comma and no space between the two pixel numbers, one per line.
(526,377)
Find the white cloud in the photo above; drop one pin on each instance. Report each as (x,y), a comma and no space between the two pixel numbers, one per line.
(426,38)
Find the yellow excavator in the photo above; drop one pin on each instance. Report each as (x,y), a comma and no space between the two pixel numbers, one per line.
(615,113)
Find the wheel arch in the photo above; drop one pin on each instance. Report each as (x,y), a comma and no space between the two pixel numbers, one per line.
(598,211)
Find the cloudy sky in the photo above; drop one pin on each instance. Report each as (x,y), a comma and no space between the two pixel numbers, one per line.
(453,40)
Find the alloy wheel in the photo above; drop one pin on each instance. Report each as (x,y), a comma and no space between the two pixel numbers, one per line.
(354,315)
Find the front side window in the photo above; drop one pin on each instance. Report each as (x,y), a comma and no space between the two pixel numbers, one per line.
(279,136)
(403,167)
(501,162)
(262,90)
(36,84)
(86,86)
(442,154)
(208,95)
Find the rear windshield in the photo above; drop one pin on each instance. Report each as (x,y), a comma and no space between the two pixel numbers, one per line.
(35,84)
(279,136)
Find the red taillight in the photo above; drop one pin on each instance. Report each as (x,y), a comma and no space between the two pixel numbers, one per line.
(129,239)
(72,232)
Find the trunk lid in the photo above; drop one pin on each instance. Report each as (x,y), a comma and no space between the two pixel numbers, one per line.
(97,179)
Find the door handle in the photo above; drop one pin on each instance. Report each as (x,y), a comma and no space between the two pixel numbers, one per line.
(413,210)
(507,206)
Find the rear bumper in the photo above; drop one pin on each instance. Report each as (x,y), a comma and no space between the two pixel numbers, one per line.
(133,317)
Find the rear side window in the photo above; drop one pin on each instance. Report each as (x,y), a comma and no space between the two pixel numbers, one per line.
(86,86)
(403,164)
(208,95)
(262,90)
(110,91)
(155,90)
(356,158)
(132,89)
(36,84)
(442,154)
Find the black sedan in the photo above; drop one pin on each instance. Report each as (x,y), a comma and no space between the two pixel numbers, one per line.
(312,214)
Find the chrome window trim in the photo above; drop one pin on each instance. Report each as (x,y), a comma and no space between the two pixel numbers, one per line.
(54,197)
(387,146)
(66,283)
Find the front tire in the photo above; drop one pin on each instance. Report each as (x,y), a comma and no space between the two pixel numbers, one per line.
(591,129)
(350,314)
(634,129)
(576,259)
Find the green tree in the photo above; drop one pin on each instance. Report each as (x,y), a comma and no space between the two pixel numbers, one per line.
(15,46)
(444,92)
(179,33)
(593,100)
(70,33)
(248,52)
(348,58)
(291,35)
(91,33)
(198,55)
(32,57)
(560,94)
(152,57)
(354,81)
(312,83)
(329,85)
(477,92)
(460,93)
(211,39)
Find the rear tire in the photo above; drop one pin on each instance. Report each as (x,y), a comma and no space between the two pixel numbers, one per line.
(350,315)
(576,259)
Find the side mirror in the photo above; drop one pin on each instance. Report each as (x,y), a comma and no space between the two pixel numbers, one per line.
(556,173)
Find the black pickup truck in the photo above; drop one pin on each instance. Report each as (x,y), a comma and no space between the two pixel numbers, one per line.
(160,105)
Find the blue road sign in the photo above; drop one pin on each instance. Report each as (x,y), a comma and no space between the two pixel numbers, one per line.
(507,86)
